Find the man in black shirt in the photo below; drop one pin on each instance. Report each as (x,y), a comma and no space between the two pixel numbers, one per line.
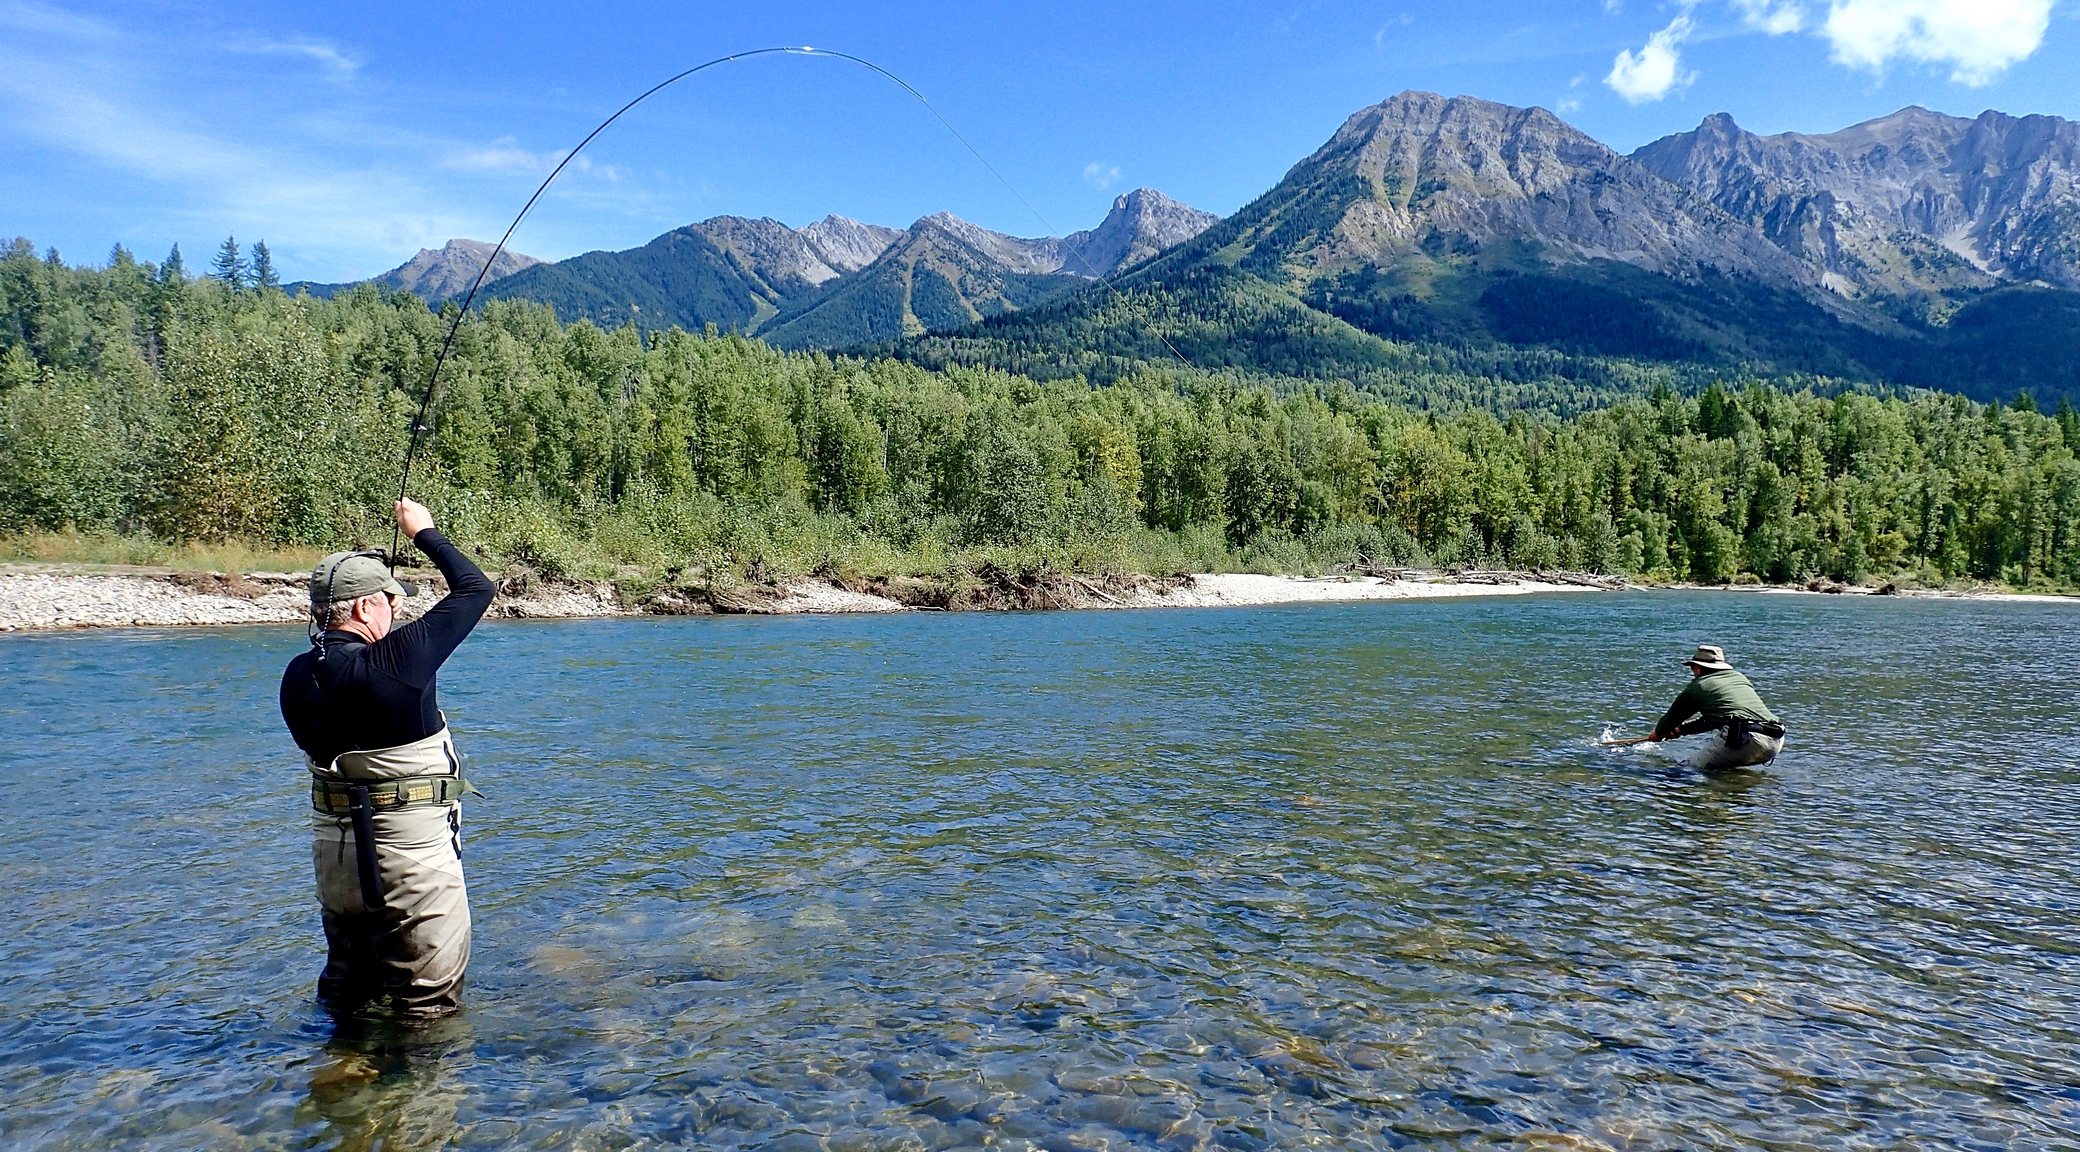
(386,784)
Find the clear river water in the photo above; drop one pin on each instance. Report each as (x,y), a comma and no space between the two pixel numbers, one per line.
(1343,876)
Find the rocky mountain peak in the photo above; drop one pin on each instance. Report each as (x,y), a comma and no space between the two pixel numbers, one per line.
(1422,177)
(447,273)
(1465,123)
(846,244)
(979,247)
(1141,223)
(811,256)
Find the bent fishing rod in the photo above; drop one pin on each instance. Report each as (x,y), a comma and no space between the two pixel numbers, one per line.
(448,341)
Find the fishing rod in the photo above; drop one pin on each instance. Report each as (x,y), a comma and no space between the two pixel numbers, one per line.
(448,341)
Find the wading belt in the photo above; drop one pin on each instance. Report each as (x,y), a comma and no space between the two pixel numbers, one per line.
(360,802)
(1738,731)
(334,797)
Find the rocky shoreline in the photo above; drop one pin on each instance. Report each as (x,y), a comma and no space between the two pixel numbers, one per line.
(56,599)
(48,599)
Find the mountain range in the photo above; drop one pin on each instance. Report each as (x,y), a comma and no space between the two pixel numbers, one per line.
(1914,202)
(945,273)
(1455,235)
(1916,249)
(835,283)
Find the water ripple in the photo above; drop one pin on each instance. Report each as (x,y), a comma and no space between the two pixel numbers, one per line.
(1345,876)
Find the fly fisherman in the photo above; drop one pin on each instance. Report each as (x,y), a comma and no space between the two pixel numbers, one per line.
(1719,699)
(386,785)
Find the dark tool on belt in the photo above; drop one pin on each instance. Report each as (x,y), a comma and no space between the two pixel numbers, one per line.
(361,811)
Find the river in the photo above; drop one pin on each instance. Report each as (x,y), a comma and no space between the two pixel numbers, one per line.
(1347,876)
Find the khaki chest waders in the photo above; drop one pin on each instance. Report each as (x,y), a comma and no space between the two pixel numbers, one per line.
(395,904)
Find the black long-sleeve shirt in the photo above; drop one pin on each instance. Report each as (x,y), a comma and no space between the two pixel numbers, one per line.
(366,696)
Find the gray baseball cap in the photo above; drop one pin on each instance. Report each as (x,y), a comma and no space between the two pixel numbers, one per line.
(345,576)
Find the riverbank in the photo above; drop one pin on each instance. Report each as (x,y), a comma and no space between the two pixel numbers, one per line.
(57,597)
(42,598)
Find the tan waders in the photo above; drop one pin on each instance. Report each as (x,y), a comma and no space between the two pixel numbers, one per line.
(1727,750)
(396,911)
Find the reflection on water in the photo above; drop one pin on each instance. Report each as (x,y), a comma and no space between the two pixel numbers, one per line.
(1348,876)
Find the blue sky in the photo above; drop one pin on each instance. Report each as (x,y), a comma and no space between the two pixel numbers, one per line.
(348,136)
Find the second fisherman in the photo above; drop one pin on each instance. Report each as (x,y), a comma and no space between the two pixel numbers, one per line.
(1721,701)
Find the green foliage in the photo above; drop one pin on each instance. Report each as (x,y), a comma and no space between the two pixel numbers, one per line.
(131,399)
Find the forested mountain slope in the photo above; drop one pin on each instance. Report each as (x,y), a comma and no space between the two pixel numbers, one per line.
(945,273)
(837,282)
(729,271)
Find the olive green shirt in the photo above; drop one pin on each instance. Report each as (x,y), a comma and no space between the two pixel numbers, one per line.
(1710,700)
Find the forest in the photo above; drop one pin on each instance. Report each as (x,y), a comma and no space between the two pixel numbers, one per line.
(139,400)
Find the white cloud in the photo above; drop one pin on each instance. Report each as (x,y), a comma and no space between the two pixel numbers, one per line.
(1775,17)
(1100,176)
(333,60)
(1656,69)
(505,155)
(1979,39)
(502,155)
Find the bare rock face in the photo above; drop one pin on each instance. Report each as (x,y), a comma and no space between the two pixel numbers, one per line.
(848,245)
(810,256)
(1422,175)
(1005,253)
(943,273)
(1142,223)
(448,273)
(1912,202)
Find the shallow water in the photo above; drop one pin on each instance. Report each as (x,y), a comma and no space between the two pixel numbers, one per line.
(1343,876)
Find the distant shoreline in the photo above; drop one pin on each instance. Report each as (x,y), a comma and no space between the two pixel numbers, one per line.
(49,598)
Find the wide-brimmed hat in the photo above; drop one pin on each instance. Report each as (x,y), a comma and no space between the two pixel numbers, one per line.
(346,576)
(1710,657)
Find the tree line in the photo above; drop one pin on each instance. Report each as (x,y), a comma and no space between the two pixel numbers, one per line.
(137,399)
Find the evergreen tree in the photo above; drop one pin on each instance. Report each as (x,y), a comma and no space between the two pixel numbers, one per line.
(120,257)
(173,271)
(125,404)
(262,276)
(229,266)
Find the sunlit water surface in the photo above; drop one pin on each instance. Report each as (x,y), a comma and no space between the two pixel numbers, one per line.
(1340,876)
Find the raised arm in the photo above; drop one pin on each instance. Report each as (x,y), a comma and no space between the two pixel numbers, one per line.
(414,652)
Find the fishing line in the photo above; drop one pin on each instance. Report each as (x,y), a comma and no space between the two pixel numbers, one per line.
(448,342)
